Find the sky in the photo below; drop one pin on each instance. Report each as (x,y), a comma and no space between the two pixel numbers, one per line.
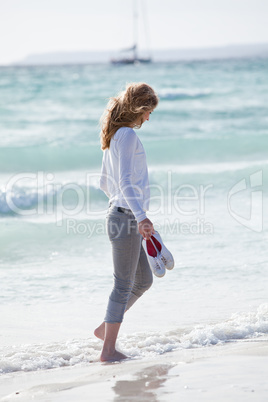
(40,26)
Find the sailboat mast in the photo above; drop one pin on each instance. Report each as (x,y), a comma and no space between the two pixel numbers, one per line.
(135,59)
(135,28)
(146,28)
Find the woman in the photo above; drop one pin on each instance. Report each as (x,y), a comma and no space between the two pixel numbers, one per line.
(124,179)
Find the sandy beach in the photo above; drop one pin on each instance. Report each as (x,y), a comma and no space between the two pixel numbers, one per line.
(234,371)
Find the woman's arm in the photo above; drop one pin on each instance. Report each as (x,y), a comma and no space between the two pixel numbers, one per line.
(133,195)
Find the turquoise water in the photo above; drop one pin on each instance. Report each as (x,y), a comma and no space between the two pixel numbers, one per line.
(209,111)
(206,146)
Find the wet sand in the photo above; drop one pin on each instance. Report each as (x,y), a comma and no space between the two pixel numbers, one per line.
(235,371)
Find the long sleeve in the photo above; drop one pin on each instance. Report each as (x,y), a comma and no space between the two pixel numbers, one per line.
(133,195)
(124,173)
(104,179)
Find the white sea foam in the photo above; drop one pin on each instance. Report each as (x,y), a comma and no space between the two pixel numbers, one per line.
(240,326)
(24,192)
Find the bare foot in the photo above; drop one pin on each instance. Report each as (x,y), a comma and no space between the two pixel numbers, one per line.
(112,357)
(100,331)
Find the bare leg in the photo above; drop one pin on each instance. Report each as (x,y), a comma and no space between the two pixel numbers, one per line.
(100,331)
(109,353)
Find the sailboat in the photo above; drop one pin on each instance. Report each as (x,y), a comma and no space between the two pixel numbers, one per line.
(132,52)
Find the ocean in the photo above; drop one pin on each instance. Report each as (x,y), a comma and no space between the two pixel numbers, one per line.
(206,146)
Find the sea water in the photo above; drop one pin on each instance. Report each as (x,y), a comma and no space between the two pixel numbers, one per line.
(206,146)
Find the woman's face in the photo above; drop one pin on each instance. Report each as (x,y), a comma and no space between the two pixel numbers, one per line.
(143,118)
(146,116)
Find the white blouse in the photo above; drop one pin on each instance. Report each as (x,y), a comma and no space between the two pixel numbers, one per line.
(124,173)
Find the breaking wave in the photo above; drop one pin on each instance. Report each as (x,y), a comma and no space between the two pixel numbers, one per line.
(240,326)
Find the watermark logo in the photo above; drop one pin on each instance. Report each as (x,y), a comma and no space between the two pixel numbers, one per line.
(167,227)
(255,220)
(183,206)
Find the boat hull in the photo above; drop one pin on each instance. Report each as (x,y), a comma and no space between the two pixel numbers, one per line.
(126,61)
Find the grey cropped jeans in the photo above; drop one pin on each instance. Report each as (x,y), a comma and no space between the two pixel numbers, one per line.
(132,274)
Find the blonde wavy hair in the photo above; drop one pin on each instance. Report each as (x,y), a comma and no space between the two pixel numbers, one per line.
(126,110)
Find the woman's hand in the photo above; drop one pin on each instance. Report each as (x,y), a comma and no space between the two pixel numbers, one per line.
(146,228)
